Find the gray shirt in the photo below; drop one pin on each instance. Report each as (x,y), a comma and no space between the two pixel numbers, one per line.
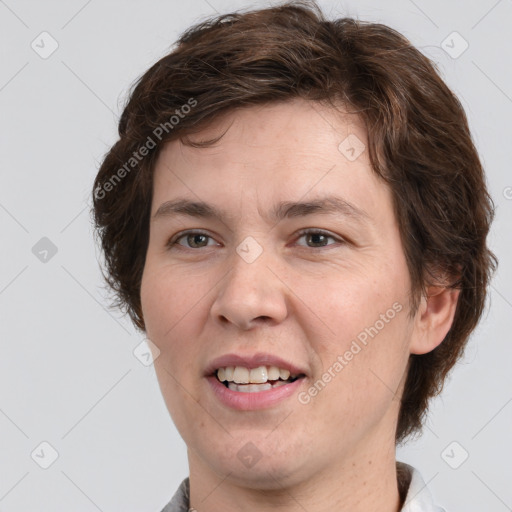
(417,496)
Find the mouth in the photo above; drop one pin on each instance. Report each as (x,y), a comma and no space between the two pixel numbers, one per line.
(254,380)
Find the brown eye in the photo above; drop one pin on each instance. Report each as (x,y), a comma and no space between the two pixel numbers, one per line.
(197,240)
(318,238)
(193,240)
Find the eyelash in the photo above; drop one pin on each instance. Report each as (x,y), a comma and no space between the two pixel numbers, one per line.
(310,231)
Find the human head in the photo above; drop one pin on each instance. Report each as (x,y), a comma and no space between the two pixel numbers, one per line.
(419,144)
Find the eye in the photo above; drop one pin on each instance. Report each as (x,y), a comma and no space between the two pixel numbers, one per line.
(318,237)
(194,239)
(199,239)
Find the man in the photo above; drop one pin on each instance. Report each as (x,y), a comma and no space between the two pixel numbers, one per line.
(296,217)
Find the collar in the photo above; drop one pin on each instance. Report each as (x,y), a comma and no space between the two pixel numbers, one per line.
(411,483)
(418,497)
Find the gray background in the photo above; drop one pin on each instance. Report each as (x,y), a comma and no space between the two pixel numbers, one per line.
(68,375)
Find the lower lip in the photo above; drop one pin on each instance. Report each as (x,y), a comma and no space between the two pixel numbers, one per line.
(252,401)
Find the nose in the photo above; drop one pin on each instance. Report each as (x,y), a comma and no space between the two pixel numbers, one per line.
(250,294)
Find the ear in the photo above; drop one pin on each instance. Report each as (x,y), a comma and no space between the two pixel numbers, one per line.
(433,318)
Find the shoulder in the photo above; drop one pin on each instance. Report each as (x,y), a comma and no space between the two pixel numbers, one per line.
(180,500)
(417,495)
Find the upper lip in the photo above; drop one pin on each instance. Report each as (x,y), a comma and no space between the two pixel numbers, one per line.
(252,361)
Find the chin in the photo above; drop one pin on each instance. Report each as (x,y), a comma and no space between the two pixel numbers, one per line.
(263,476)
(264,466)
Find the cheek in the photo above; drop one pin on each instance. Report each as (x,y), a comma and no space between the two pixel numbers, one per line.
(359,383)
(346,301)
(360,333)
(168,304)
(168,296)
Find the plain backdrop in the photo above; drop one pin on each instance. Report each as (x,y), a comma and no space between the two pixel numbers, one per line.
(73,395)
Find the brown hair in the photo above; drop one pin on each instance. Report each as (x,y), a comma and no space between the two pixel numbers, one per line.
(418,140)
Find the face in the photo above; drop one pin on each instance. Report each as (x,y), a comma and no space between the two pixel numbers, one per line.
(238,284)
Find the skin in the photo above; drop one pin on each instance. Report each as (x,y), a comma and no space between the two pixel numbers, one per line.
(305,299)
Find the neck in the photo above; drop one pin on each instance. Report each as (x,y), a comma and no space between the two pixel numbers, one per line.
(365,483)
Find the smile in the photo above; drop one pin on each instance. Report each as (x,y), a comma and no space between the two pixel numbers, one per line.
(254,380)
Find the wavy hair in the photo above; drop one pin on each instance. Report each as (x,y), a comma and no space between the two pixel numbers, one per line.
(419,143)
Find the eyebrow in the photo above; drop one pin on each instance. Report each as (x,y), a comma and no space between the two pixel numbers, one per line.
(329,205)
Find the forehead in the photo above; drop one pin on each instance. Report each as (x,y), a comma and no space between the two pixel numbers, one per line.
(297,125)
(270,154)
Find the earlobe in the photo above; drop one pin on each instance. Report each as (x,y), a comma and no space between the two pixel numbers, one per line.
(434,318)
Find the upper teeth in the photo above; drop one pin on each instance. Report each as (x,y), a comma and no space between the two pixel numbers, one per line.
(260,375)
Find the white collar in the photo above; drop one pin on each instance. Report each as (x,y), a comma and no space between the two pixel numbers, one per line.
(418,498)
